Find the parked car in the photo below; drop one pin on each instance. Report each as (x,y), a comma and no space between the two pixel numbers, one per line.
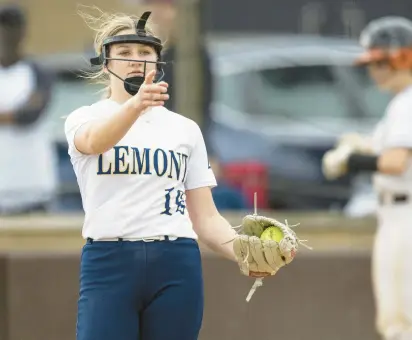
(279,100)
(283,101)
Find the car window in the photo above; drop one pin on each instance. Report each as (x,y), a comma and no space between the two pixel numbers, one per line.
(69,93)
(297,91)
(374,99)
(229,90)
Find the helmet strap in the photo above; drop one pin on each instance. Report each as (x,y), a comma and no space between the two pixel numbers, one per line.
(132,84)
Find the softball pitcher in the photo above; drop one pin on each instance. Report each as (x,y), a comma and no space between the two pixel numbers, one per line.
(387,153)
(145,183)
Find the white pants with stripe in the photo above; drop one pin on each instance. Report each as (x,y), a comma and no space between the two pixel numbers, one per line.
(392,270)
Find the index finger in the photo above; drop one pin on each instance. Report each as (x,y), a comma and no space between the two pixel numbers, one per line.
(149,77)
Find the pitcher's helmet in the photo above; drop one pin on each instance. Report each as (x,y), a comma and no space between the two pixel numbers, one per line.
(387,39)
(132,84)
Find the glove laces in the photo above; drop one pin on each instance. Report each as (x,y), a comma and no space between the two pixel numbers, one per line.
(300,242)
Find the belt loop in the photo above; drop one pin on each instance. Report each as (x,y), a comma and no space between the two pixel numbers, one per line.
(120,239)
(89,240)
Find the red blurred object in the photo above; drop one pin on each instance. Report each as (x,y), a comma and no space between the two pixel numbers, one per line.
(249,177)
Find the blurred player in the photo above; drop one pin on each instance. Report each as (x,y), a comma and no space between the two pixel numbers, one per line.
(387,153)
(142,170)
(28,161)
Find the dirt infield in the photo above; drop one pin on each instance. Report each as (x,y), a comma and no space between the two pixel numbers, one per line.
(323,295)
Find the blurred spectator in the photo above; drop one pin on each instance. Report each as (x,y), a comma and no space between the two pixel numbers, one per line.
(27,162)
(226,197)
(165,16)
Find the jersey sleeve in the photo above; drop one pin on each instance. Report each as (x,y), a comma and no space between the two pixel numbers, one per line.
(199,171)
(39,100)
(399,133)
(73,122)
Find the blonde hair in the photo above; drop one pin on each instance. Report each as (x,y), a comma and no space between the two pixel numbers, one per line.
(106,25)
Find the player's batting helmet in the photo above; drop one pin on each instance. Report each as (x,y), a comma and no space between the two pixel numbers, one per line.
(387,39)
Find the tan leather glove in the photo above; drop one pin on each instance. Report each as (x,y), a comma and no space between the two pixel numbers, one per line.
(358,142)
(259,258)
(334,162)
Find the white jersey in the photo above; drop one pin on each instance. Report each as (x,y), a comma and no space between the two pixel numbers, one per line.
(395,131)
(137,189)
(28,161)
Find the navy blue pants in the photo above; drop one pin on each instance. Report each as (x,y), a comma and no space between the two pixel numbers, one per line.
(140,291)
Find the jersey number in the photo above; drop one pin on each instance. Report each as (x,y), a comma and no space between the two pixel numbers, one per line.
(179,202)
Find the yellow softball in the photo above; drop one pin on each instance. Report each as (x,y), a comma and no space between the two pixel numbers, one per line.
(272,233)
